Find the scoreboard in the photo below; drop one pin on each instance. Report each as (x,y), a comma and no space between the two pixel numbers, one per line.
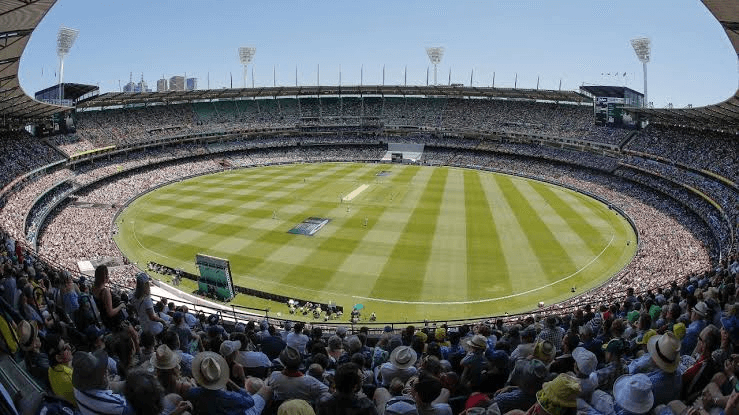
(609,111)
(215,277)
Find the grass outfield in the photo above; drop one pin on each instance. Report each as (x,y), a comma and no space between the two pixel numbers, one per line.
(439,243)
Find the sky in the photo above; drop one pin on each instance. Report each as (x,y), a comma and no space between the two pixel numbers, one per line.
(516,42)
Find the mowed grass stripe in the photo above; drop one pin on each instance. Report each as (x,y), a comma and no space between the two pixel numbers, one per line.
(333,247)
(579,252)
(374,255)
(591,210)
(446,271)
(577,220)
(405,269)
(553,258)
(487,272)
(515,243)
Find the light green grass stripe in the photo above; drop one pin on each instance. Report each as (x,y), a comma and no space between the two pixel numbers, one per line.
(579,251)
(578,219)
(487,272)
(515,245)
(552,256)
(411,253)
(446,270)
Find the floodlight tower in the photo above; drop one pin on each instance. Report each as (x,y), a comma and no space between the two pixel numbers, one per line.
(246,54)
(435,55)
(64,41)
(643,51)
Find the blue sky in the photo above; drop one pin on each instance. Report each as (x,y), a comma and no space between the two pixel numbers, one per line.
(575,41)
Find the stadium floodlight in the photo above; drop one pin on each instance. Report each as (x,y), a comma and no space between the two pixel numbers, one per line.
(643,51)
(435,55)
(64,41)
(246,54)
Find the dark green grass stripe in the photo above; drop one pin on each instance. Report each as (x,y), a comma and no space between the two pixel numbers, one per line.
(486,262)
(342,244)
(407,263)
(552,256)
(587,232)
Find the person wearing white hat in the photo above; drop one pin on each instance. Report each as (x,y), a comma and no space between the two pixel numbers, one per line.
(210,370)
(229,350)
(400,365)
(662,370)
(633,394)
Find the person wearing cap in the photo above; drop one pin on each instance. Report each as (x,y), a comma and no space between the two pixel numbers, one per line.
(90,381)
(291,383)
(557,397)
(210,371)
(149,320)
(615,366)
(632,394)
(229,350)
(660,364)
(399,365)
(698,321)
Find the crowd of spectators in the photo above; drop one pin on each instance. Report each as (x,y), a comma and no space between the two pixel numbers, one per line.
(108,349)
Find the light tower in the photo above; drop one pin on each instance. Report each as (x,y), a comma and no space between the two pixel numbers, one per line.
(642,49)
(246,54)
(64,41)
(435,55)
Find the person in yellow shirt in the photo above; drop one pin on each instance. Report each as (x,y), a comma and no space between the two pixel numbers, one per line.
(60,368)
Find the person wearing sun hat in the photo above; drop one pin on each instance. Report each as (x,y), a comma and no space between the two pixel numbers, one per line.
(210,371)
(474,361)
(399,365)
(633,394)
(557,397)
(661,366)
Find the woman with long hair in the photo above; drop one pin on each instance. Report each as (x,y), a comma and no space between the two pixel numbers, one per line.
(149,320)
(111,316)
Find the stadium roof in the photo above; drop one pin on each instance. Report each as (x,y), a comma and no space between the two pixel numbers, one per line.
(725,115)
(18,19)
(71,91)
(608,91)
(127,98)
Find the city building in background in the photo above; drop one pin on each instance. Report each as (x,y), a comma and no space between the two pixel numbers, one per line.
(177,83)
